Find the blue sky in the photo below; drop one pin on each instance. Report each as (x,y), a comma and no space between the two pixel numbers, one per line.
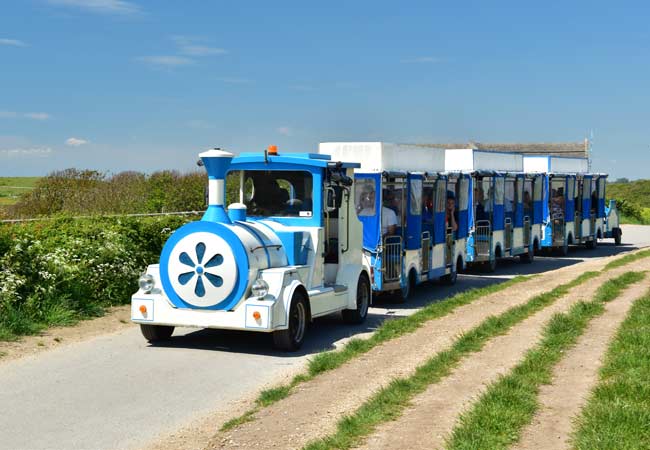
(146,85)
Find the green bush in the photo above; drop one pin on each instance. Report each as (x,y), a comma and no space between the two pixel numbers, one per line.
(58,271)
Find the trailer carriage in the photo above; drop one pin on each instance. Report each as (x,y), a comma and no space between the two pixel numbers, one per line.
(406,182)
(498,225)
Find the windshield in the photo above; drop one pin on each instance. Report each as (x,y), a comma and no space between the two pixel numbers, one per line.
(272,192)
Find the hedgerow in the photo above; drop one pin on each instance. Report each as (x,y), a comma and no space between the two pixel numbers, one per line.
(56,272)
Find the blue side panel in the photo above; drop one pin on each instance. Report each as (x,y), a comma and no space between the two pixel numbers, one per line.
(296,245)
(546,215)
(586,202)
(463,214)
(569,203)
(601,202)
(548,236)
(519,206)
(439,217)
(537,212)
(470,208)
(372,224)
(499,217)
(413,222)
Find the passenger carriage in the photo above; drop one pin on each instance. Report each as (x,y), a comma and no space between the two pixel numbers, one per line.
(406,182)
(499,225)
(574,202)
(285,252)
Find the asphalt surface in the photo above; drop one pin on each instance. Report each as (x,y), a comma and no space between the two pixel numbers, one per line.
(117,391)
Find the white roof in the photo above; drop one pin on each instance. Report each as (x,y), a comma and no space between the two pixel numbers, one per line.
(383,156)
(557,164)
(469,159)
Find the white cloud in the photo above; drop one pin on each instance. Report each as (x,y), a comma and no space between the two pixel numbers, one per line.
(166,60)
(12,42)
(37,116)
(285,131)
(100,6)
(31,115)
(421,60)
(189,46)
(17,152)
(75,142)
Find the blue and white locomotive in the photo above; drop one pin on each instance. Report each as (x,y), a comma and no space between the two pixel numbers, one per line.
(286,253)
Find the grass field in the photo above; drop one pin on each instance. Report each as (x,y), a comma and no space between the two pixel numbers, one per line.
(11,188)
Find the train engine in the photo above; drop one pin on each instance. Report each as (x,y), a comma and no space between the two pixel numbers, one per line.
(287,250)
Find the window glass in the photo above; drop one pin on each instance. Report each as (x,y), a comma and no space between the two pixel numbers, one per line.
(499,188)
(427,202)
(571,182)
(601,190)
(364,201)
(463,194)
(586,189)
(416,196)
(538,189)
(509,201)
(393,197)
(441,195)
(273,192)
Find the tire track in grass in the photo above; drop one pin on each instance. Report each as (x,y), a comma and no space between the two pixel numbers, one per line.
(618,412)
(574,376)
(433,413)
(314,407)
(497,419)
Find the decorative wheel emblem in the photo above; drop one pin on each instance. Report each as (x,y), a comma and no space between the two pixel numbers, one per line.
(200,270)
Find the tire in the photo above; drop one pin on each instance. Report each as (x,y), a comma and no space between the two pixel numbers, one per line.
(451,278)
(617,236)
(156,333)
(405,291)
(564,250)
(490,266)
(292,338)
(363,302)
(528,257)
(591,245)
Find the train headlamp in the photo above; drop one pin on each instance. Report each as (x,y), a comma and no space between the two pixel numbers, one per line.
(260,288)
(146,283)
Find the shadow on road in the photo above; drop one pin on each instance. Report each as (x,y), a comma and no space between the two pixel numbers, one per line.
(326,331)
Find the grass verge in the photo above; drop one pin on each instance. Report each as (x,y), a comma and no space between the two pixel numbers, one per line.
(627,259)
(392,329)
(389,402)
(618,412)
(496,420)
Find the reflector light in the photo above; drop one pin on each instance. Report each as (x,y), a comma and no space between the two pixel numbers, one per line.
(143,309)
(257,315)
(273,149)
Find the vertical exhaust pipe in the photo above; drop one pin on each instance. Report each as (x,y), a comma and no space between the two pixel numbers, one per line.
(216,163)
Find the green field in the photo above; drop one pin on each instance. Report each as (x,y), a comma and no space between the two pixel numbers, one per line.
(11,188)
(633,199)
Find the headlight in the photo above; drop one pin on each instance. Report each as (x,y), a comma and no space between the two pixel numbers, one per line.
(146,283)
(260,288)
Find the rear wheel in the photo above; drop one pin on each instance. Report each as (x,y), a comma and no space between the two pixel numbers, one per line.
(407,288)
(564,250)
(490,266)
(592,244)
(292,338)
(156,333)
(617,236)
(527,257)
(363,301)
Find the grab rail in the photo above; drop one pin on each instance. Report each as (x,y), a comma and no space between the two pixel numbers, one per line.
(426,252)
(392,258)
(482,238)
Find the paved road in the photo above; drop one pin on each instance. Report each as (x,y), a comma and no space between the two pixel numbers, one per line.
(116,391)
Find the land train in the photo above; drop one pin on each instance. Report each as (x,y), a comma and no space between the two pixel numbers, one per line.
(310,234)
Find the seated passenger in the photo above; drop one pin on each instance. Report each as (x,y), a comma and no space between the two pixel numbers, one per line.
(451,216)
(388,216)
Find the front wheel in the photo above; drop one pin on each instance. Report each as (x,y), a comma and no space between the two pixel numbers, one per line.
(527,257)
(617,236)
(591,245)
(450,279)
(156,333)
(359,314)
(292,338)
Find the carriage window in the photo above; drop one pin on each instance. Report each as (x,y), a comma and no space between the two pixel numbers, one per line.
(393,197)
(509,201)
(365,197)
(527,196)
(499,188)
(538,189)
(416,196)
(586,191)
(427,203)
(463,194)
(519,190)
(601,187)
(272,192)
(441,195)
(571,187)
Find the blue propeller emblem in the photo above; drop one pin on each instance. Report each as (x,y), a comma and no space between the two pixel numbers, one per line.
(199,269)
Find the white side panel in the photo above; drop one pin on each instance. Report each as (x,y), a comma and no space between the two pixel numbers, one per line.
(467,160)
(569,165)
(380,156)
(536,164)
